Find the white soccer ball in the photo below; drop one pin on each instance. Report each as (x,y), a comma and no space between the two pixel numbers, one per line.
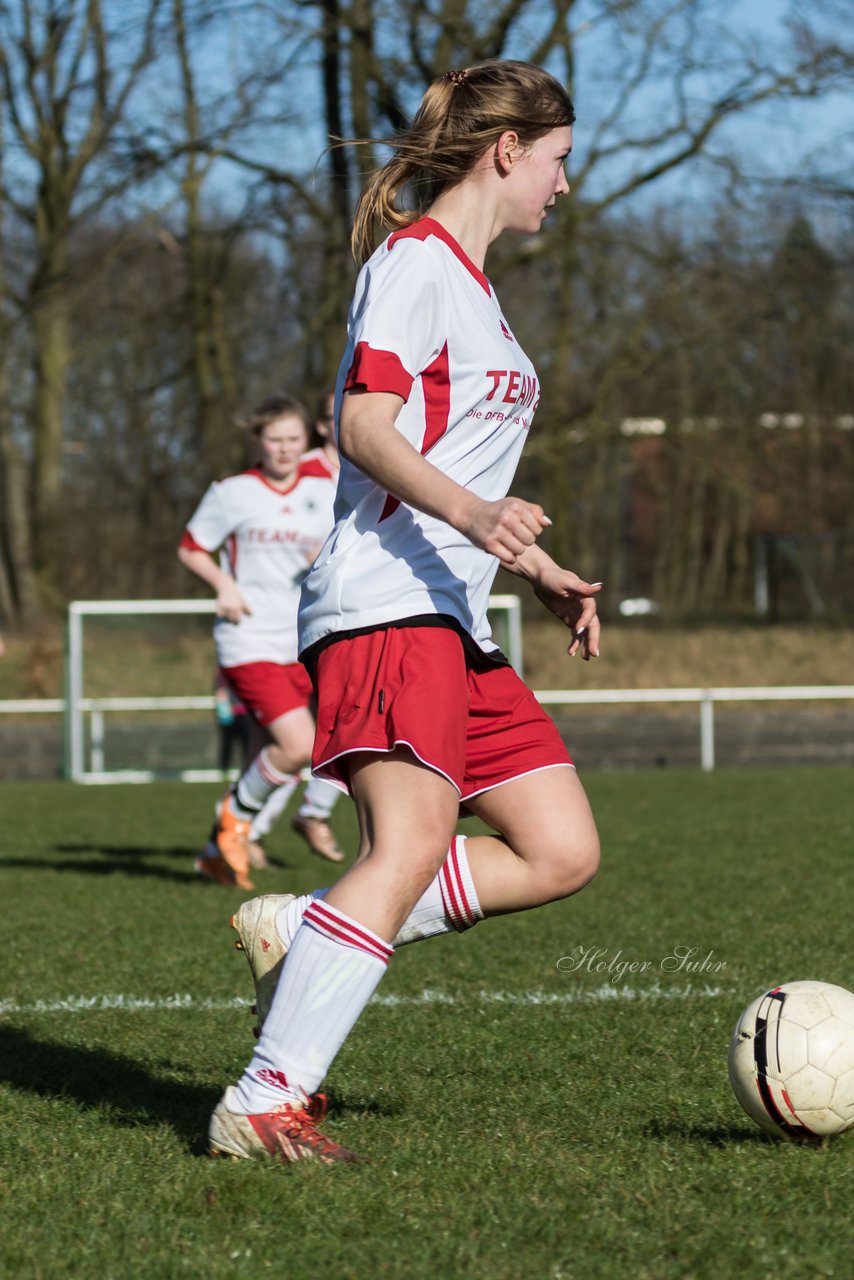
(791,1060)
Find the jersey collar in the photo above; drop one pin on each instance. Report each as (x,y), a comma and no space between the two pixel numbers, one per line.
(259,475)
(425,227)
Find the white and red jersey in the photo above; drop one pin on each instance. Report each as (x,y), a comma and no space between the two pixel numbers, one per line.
(267,539)
(320,456)
(424,324)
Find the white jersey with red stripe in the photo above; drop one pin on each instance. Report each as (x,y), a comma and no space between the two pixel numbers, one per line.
(426,325)
(321,457)
(267,538)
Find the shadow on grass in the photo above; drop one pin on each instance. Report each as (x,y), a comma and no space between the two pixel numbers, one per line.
(123,855)
(129,850)
(129,1093)
(712,1135)
(126,1091)
(106,860)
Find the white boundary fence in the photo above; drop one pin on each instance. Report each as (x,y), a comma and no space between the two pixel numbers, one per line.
(76,706)
(706,698)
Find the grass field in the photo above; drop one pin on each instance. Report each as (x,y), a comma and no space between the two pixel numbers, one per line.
(523,1120)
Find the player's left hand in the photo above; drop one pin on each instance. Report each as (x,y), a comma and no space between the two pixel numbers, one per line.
(572,600)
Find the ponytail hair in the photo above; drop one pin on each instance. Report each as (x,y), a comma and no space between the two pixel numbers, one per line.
(461,116)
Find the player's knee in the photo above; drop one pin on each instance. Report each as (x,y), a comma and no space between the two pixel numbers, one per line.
(410,869)
(573,864)
(290,759)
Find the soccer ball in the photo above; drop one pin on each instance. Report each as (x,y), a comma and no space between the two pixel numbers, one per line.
(791,1060)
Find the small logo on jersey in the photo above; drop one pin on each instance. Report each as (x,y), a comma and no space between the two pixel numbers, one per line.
(507,334)
(286,511)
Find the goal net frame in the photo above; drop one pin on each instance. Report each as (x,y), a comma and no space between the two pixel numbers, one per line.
(87,763)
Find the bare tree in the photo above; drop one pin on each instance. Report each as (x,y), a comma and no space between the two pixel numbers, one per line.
(212,360)
(620,316)
(65,97)
(18,594)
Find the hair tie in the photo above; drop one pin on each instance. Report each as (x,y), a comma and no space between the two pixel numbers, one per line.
(455,77)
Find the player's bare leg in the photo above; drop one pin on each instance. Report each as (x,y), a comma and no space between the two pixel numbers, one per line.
(407,815)
(548,846)
(292,739)
(549,849)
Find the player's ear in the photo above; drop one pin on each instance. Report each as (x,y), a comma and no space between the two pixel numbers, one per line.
(507,151)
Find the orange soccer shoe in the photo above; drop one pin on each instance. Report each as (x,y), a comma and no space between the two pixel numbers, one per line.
(211,865)
(288,1133)
(231,837)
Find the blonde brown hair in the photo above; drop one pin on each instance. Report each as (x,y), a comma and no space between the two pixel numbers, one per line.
(461,115)
(324,402)
(282,405)
(268,410)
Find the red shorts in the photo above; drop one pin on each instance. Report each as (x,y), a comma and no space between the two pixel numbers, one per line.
(270,689)
(416,687)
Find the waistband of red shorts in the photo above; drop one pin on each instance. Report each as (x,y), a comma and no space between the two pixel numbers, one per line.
(474,654)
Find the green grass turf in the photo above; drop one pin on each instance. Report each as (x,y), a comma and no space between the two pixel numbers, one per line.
(577,1136)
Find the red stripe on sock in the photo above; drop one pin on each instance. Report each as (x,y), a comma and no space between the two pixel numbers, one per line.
(453,891)
(270,774)
(338,927)
(449,897)
(337,934)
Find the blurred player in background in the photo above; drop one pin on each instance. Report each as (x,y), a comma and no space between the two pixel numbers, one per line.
(268,524)
(322,443)
(311,820)
(417,710)
(233,722)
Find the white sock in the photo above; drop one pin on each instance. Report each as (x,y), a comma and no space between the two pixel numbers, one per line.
(272,810)
(319,799)
(257,784)
(289,918)
(448,905)
(329,975)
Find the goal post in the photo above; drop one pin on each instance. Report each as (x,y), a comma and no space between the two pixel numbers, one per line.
(113,734)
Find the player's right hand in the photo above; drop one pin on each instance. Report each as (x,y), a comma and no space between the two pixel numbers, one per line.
(506,528)
(230,604)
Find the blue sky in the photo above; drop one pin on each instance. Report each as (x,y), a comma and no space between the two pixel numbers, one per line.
(782,137)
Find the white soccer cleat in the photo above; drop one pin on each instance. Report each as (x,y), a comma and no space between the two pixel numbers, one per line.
(319,836)
(287,1133)
(258,859)
(264,947)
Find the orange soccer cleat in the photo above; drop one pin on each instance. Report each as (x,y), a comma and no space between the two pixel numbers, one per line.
(231,837)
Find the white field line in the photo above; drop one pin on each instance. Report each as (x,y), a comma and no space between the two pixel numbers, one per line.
(606,994)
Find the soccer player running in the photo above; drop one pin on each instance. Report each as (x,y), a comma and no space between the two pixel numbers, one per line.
(269,522)
(311,820)
(417,709)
